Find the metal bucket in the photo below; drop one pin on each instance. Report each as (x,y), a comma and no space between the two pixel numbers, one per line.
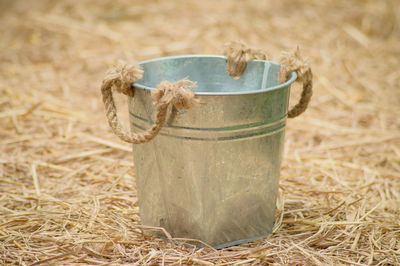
(212,173)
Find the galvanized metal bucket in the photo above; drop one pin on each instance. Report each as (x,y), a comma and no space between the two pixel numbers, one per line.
(212,173)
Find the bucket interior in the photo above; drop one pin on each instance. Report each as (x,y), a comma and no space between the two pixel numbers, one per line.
(210,74)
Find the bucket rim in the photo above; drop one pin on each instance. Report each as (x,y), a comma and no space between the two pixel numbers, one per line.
(293,76)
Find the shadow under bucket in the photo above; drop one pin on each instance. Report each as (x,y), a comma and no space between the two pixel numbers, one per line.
(212,173)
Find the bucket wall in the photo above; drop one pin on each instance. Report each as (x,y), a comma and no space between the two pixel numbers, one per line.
(213,172)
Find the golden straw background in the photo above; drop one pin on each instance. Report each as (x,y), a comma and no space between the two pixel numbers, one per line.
(67,184)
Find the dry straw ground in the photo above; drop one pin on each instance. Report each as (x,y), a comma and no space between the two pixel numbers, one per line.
(67,185)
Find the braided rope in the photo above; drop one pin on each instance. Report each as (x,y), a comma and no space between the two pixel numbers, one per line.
(292,61)
(121,77)
(238,55)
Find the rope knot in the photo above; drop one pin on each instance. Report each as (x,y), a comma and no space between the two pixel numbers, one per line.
(177,93)
(238,55)
(122,76)
(293,61)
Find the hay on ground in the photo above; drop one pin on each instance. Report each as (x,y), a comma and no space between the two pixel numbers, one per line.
(67,185)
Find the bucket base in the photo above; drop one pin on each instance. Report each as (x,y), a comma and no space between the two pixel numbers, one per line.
(201,244)
(239,242)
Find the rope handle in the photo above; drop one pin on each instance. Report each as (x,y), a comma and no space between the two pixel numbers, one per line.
(179,94)
(121,77)
(238,55)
